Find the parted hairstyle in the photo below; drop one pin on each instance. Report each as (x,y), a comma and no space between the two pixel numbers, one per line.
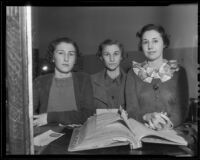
(157,28)
(109,42)
(52,46)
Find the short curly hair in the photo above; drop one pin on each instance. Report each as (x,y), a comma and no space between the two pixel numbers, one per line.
(157,28)
(109,42)
(52,46)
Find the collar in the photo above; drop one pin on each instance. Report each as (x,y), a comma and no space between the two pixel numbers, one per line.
(99,78)
(147,73)
(118,79)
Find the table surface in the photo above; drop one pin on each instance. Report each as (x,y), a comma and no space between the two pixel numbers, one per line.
(60,146)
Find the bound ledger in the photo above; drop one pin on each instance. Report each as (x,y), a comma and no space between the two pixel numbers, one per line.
(115,129)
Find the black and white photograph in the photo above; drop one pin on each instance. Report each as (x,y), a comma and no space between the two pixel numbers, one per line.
(102,80)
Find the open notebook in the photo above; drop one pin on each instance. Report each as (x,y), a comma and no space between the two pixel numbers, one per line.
(112,129)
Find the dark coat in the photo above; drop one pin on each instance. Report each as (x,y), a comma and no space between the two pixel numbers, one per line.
(83,96)
(99,89)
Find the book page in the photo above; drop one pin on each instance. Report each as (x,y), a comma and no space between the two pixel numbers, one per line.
(140,130)
(102,131)
(97,122)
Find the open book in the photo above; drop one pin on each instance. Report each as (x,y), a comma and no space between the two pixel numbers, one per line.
(114,129)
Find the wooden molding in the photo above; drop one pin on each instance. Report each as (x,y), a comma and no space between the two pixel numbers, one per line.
(17,78)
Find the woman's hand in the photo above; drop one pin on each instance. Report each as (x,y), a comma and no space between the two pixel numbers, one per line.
(39,120)
(157,121)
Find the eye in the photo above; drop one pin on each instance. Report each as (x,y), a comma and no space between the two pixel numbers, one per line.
(60,52)
(144,42)
(155,41)
(105,54)
(116,53)
(72,53)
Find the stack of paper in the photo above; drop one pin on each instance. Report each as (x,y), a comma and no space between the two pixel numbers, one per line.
(46,138)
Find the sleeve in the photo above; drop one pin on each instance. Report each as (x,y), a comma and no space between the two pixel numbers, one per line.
(87,103)
(66,117)
(182,96)
(132,105)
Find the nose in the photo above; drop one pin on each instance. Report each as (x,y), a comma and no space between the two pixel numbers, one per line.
(112,58)
(66,57)
(150,45)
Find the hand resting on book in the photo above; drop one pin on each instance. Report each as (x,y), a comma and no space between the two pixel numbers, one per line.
(157,121)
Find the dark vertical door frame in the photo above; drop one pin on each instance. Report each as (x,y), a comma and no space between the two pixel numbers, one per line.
(17,81)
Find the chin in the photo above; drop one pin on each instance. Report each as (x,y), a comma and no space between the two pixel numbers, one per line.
(112,69)
(152,58)
(65,70)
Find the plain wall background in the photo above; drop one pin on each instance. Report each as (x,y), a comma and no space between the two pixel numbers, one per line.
(89,26)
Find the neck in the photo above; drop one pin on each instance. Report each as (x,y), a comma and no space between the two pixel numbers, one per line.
(113,74)
(59,74)
(156,63)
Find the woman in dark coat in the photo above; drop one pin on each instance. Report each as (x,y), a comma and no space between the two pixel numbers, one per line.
(63,97)
(108,84)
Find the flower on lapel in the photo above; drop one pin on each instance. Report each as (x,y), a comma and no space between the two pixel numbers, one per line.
(142,74)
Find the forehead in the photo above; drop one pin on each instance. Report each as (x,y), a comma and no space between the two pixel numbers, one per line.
(111,47)
(64,46)
(151,34)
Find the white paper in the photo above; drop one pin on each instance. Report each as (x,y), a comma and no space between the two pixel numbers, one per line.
(100,111)
(46,138)
(70,125)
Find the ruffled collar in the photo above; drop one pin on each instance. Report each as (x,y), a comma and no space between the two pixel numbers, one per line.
(147,73)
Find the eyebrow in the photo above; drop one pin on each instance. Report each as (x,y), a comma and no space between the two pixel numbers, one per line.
(152,38)
(109,52)
(63,50)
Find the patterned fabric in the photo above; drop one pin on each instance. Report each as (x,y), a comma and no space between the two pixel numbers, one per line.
(147,73)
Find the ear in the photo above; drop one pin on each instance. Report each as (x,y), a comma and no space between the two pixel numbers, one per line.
(101,58)
(53,59)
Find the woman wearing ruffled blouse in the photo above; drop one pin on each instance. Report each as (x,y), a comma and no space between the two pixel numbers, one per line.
(157,89)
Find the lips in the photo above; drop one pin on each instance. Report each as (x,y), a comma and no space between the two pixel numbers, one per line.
(152,52)
(112,64)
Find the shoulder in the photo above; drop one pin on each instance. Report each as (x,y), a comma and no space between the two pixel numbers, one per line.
(175,67)
(181,69)
(131,73)
(181,73)
(43,78)
(81,76)
(98,75)
(123,72)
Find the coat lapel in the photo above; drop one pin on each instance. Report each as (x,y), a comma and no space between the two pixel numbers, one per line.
(76,89)
(99,87)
